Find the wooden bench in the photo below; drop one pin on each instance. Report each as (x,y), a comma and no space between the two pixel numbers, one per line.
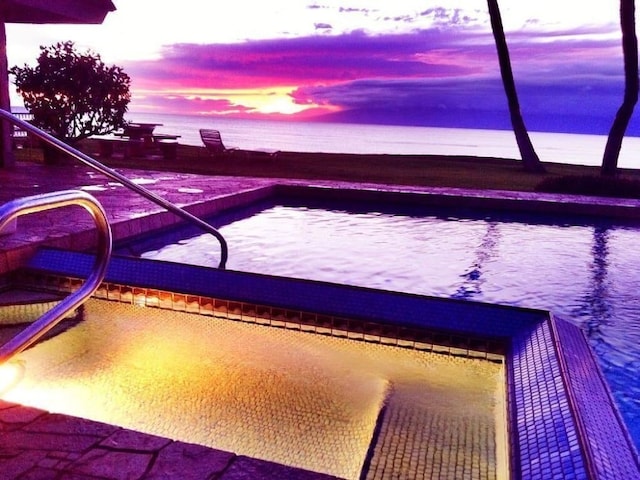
(168,145)
(107,146)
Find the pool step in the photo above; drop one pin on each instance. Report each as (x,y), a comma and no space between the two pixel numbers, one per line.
(19,306)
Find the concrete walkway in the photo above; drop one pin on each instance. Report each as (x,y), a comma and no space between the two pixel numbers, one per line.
(120,204)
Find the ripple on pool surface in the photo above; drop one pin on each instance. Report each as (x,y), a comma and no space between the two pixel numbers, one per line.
(300,399)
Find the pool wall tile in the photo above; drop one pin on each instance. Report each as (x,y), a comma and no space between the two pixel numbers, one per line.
(220,306)
(127,294)
(278,317)
(248,312)
(307,319)
(294,318)
(193,303)
(235,311)
(263,315)
(179,302)
(113,292)
(101,292)
(206,306)
(165,300)
(152,299)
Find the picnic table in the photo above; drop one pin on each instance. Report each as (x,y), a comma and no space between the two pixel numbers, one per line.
(141,140)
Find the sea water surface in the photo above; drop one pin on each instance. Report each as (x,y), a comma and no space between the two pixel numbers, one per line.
(389,139)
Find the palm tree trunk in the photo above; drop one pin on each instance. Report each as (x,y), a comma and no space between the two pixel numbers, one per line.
(530,159)
(620,123)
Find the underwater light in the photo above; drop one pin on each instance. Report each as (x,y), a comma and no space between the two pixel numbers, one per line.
(10,375)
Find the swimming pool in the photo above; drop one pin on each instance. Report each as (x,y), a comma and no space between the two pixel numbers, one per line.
(580,268)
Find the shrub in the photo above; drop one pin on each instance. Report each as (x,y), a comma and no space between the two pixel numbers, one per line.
(73,95)
(600,186)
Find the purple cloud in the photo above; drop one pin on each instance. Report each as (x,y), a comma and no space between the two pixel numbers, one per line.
(179,103)
(316,59)
(417,77)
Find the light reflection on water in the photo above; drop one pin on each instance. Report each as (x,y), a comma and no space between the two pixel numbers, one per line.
(582,271)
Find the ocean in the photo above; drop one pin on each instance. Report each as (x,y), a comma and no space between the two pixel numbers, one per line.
(388,139)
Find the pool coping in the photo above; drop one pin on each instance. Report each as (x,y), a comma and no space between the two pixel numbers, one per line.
(541,203)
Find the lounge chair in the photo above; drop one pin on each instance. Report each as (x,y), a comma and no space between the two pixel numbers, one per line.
(213,142)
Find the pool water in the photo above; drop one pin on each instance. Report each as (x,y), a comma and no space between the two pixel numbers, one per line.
(584,270)
(304,400)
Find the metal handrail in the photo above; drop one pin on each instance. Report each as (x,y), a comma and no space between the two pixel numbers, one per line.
(52,317)
(149,195)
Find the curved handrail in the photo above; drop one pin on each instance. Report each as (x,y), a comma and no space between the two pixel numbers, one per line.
(49,319)
(149,195)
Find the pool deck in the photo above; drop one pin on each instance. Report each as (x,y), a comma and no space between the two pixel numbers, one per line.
(37,444)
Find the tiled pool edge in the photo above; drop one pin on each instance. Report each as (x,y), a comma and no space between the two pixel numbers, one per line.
(549,434)
(488,199)
(590,396)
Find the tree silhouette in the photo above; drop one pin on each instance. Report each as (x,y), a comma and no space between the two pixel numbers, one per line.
(72,94)
(621,121)
(530,159)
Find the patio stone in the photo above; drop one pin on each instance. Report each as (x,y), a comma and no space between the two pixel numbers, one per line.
(47,441)
(189,462)
(245,468)
(17,462)
(16,415)
(111,464)
(131,440)
(55,423)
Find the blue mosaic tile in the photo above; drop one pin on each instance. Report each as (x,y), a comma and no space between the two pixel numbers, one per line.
(612,452)
(407,310)
(544,422)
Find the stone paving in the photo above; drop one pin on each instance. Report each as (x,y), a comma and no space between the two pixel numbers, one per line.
(35,444)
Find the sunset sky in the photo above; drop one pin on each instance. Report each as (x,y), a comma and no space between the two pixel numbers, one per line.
(407,62)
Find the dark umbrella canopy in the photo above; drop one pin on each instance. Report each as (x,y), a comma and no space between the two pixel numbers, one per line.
(55,11)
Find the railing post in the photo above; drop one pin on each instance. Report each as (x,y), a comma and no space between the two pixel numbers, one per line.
(6,148)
